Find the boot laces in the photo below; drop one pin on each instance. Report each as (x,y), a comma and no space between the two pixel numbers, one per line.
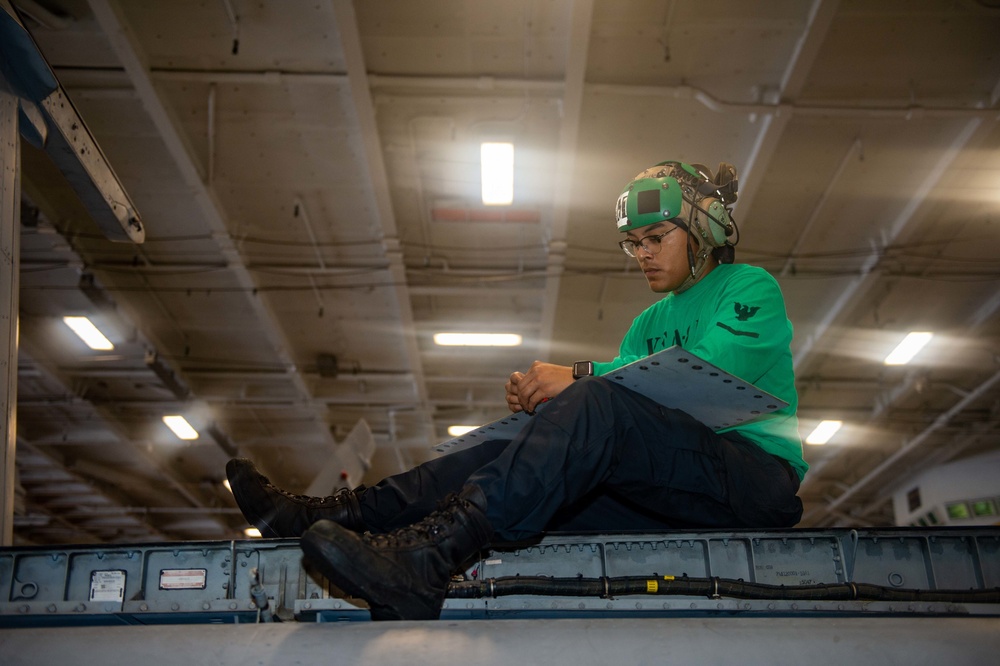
(427,529)
(310,500)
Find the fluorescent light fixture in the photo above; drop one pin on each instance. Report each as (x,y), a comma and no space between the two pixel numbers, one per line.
(477,339)
(180,426)
(823,432)
(252,532)
(908,348)
(85,328)
(459,430)
(497,161)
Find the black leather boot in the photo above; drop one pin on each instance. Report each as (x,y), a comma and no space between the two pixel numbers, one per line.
(403,575)
(277,513)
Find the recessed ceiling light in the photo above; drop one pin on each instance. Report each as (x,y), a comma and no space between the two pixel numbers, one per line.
(477,339)
(908,348)
(459,430)
(497,162)
(89,333)
(180,426)
(822,433)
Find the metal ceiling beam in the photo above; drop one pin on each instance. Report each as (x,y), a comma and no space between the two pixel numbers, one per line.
(56,127)
(578,42)
(125,45)
(913,444)
(773,126)
(897,393)
(972,134)
(852,152)
(34,106)
(976,130)
(111,423)
(44,459)
(361,98)
(915,377)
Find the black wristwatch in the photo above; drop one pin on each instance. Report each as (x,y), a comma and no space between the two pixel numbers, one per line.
(583,369)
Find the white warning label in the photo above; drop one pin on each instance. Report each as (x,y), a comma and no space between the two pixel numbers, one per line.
(107,586)
(183,579)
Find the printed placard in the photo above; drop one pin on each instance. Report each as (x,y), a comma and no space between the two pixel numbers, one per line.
(183,579)
(107,585)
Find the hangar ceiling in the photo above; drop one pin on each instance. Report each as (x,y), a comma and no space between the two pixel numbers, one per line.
(307,175)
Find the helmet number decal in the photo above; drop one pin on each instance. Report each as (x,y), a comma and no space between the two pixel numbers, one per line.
(621,209)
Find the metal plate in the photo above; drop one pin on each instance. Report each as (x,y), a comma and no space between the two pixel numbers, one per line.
(57,586)
(673,377)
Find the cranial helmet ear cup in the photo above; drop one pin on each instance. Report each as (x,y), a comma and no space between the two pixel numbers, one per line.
(719,226)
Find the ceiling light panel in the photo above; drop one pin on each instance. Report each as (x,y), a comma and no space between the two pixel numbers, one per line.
(85,329)
(477,339)
(823,432)
(497,162)
(179,425)
(908,348)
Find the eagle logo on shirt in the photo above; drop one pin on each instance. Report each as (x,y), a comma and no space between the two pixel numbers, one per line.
(744,312)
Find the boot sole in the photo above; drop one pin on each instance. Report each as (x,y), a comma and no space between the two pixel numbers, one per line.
(341,556)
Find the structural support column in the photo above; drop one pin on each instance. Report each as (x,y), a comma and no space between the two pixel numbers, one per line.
(10,207)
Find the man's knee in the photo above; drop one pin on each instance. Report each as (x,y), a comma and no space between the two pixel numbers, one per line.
(590,388)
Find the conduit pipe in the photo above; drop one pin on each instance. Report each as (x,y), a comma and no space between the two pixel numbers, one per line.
(709,101)
(556,88)
(712,103)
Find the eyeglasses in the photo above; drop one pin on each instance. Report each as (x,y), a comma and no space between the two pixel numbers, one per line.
(650,244)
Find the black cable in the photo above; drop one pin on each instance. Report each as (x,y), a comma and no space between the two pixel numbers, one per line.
(708,587)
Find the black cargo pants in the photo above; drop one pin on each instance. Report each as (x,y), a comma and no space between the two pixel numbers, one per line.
(600,457)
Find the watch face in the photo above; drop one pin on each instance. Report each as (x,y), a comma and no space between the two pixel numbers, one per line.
(583,369)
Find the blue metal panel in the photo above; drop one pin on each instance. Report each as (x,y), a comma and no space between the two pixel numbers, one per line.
(216,582)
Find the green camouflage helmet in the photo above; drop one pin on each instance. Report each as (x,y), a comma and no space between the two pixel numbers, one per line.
(653,196)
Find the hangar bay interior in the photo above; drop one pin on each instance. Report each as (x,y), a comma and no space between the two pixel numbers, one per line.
(306,176)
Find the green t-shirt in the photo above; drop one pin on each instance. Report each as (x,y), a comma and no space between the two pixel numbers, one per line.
(735,319)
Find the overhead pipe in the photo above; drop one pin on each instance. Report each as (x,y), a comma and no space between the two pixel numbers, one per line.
(482,83)
(557,88)
(709,101)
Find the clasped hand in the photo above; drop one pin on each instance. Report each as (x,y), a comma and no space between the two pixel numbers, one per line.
(527,390)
